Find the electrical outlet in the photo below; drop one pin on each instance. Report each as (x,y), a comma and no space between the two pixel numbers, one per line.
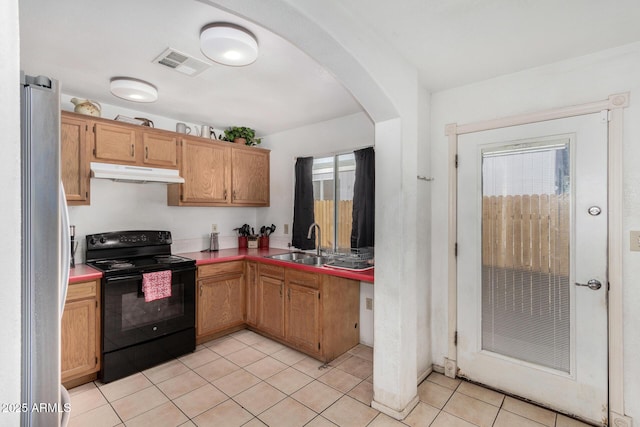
(635,240)
(369,303)
(286,229)
(214,228)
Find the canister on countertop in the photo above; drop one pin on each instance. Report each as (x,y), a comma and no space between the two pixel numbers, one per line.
(213,242)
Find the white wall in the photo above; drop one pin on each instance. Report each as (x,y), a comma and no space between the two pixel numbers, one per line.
(10,317)
(575,81)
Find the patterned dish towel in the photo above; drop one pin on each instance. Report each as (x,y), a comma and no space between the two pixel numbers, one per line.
(156,285)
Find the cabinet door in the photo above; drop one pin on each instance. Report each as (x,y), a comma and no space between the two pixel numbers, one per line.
(78,338)
(159,150)
(271,312)
(114,143)
(250,177)
(220,304)
(252,293)
(74,163)
(303,317)
(204,168)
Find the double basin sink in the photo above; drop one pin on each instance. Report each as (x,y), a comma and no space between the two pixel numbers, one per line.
(302,258)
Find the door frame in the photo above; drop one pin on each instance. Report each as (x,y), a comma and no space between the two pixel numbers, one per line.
(615,105)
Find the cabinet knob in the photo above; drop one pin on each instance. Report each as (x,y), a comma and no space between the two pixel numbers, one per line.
(225,194)
(133,152)
(146,153)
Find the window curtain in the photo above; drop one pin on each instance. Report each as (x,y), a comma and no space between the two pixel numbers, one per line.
(303,204)
(362,229)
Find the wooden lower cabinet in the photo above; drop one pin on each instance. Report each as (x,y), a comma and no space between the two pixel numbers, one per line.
(251,282)
(303,317)
(316,314)
(271,301)
(80,333)
(220,300)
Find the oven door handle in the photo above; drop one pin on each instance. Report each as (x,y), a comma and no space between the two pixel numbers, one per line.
(123,278)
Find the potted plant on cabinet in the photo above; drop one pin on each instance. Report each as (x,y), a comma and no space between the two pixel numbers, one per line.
(241,135)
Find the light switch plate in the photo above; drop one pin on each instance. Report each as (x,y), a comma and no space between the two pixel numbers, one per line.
(214,228)
(635,240)
(286,229)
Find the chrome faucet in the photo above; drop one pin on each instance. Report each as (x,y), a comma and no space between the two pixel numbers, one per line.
(319,236)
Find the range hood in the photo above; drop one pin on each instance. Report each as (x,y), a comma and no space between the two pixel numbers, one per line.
(137,174)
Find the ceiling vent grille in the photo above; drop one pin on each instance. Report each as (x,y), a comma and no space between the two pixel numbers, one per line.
(181,62)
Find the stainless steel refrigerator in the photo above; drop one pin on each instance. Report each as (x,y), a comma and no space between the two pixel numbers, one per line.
(45,254)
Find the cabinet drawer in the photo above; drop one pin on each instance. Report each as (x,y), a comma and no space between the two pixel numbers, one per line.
(82,290)
(302,278)
(233,267)
(272,271)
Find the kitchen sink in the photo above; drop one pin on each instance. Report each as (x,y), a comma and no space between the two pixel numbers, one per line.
(314,260)
(302,258)
(291,256)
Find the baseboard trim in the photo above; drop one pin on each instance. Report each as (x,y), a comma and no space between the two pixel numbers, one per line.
(393,413)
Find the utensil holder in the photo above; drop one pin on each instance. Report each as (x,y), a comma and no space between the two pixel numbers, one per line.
(242,242)
(263,242)
(252,243)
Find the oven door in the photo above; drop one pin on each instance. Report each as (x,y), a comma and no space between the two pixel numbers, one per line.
(127,319)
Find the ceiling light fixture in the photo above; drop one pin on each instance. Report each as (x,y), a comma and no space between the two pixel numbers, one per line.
(228,44)
(133,89)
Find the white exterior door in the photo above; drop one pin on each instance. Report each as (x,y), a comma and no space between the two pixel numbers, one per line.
(532,229)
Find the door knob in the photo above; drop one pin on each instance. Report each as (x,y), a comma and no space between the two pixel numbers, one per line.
(592,284)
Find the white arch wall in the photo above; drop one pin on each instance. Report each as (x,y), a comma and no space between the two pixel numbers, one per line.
(388,89)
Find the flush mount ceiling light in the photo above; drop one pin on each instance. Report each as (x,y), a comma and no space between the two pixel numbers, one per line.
(228,44)
(133,90)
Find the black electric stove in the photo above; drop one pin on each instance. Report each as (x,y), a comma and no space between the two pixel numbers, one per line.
(136,334)
(125,252)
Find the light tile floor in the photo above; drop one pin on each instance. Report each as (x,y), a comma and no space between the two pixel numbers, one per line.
(245,379)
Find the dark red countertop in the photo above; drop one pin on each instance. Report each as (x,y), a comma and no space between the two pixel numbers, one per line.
(235,254)
(83,273)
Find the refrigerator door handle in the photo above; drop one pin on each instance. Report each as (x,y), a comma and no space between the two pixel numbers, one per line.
(66,249)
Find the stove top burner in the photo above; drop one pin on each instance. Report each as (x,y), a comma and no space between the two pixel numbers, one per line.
(168,258)
(141,264)
(118,265)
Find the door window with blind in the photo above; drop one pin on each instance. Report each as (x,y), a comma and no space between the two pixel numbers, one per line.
(333,181)
(526,220)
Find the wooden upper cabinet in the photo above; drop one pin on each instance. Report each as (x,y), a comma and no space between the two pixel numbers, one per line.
(159,149)
(250,177)
(220,174)
(74,159)
(205,169)
(114,143)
